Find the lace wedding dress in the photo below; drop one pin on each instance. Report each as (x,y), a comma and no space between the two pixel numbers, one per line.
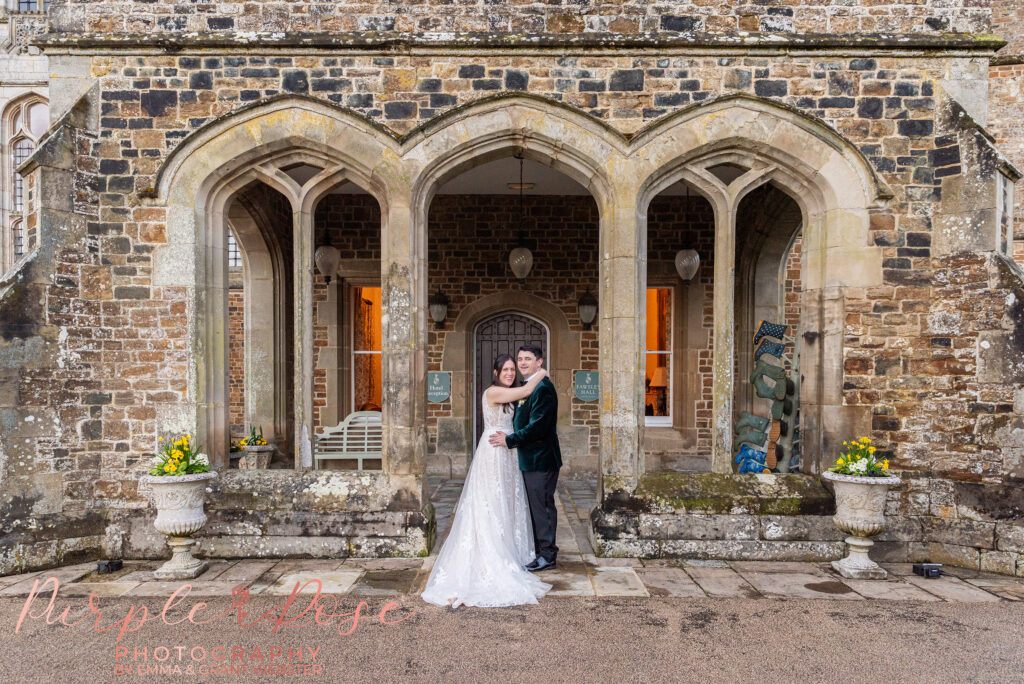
(491,539)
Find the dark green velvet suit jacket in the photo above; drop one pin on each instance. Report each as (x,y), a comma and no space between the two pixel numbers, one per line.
(535,435)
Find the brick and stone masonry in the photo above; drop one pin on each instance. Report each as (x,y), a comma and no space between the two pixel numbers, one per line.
(98,350)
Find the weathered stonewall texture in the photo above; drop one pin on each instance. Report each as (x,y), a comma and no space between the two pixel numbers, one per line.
(725,18)
(870,116)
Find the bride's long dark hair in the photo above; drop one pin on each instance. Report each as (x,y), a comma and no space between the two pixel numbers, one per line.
(499,363)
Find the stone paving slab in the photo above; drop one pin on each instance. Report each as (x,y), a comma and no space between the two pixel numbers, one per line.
(599,561)
(247,571)
(952,589)
(567,583)
(778,566)
(198,588)
(661,562)
(64,576)
(800,585)
(217,568)
(385,583)
(382,563)
(308,565)
(722,582)
(98,588)
(669,582)
(889,590)
(331,582)
(617,581)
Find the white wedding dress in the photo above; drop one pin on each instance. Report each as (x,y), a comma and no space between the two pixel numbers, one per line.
(491,539)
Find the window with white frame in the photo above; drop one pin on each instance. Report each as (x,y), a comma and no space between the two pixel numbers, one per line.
(21,150)
(24,122)
(658,358)
(234,254)
(366,349)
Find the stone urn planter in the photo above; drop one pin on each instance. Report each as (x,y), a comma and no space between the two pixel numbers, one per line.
(256,457)
(179,514)
(860,512)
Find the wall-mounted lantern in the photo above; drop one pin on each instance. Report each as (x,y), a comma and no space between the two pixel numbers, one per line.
(588,309)
(437,303)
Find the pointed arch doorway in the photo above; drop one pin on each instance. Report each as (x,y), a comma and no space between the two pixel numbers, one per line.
(502,333)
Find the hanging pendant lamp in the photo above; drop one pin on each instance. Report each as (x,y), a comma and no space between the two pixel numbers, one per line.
(520,259)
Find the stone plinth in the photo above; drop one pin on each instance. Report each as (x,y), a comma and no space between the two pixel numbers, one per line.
(710,515)
(288,514)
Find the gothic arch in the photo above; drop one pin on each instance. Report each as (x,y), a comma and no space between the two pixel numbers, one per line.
(834,186)
(458,351)
(197,184)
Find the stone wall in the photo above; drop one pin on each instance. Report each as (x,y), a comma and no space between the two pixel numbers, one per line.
(152,103)
(1008,24)
(437,16)
(933,396)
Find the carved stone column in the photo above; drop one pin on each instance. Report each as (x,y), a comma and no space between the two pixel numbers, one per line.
(623,278)
(403,348)
(302,234)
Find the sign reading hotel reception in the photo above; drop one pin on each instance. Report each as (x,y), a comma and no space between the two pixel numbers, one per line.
(585,383)
(439,386)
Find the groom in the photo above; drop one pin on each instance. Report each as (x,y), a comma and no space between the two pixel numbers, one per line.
(539,454)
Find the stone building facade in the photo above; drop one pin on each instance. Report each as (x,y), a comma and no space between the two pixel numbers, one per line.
(848,169)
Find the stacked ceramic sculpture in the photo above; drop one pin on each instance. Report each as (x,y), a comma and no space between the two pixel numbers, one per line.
(765,443)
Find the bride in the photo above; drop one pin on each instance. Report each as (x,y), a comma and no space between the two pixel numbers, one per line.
(491,539)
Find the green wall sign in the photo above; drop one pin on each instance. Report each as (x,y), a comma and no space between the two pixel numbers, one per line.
(439,386)
(585,385)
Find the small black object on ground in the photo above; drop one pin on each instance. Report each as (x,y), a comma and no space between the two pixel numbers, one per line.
(928,569)
(108,566)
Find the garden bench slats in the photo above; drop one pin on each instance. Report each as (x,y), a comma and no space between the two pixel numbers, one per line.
(359,437)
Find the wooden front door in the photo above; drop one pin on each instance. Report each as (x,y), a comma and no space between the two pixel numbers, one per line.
(502,334)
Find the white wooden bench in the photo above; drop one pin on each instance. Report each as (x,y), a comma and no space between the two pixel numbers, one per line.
(358,437)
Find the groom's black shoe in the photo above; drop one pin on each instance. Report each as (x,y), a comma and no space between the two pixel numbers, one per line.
(540,563)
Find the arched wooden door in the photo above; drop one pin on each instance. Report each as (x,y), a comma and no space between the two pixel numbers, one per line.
(502,334)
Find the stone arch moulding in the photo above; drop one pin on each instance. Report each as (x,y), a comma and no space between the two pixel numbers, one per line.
(196,184)
(458,348)
(834,186)
(827,174)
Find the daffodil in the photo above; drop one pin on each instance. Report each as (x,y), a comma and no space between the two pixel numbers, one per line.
(871,450)
(840,462)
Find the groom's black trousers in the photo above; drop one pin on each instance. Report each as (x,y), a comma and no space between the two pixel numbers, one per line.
(540,491)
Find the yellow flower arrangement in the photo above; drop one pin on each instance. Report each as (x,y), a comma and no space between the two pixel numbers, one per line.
(254,438)
(859,459)
(179,457)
